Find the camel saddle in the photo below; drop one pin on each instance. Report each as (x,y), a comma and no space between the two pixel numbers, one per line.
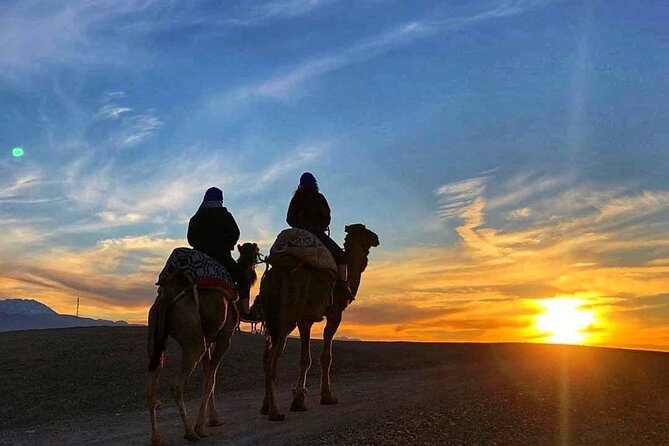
(306,247)
(202,270)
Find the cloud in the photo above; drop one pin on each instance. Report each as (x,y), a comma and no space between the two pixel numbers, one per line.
(135,129)
(35,36)
(291,161)
(262,12)
(127,218)
(20,184)
(455,197)
(115,272)
(392,313)
(481,240)
(112,111)
(645,203)
(291,80)
(519,214)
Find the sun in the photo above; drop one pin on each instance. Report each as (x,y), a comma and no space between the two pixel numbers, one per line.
(564,320)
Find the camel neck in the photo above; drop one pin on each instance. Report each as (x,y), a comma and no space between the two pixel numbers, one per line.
(357,263)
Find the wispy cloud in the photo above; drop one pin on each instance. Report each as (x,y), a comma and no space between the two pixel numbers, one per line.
(645,203)
(19,185)
(455,197)
(62,32)
(261,12)
(292,80)
(127,218)
(137,128)
(112,111)
(291,161)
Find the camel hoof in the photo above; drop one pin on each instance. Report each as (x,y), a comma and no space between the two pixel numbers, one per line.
(215,422)
(298,406)
(329,400)
(201,432)
(158,442)
(277,417)
(191,436)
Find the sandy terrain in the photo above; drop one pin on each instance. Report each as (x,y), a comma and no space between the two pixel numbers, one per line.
(86,386)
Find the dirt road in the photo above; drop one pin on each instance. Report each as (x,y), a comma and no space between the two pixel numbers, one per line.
(390,394)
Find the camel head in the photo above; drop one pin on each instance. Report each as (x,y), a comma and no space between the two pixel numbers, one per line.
(357,243)
(359,235)
(248,254)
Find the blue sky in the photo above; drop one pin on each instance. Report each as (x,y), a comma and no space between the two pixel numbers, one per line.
(485,131)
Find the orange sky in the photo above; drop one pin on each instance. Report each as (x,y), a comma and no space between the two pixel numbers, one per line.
(486,288)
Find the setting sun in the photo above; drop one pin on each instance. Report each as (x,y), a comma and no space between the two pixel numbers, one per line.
(564,320)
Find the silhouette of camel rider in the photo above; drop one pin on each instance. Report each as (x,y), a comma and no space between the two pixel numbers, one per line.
(309,210)
(214,231)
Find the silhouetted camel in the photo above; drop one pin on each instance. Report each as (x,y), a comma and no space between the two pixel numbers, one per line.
(297,295)
(248,259)
(203,325)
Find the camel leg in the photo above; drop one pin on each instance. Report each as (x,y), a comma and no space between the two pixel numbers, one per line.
(272,352)
(212,414)
(192,352)
(217,356)
(265,361)
(331,327)
(300,389)
(222,346)
(153,406)
(208,368)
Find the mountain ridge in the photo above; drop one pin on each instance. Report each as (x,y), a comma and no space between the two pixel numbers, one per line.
(29,314)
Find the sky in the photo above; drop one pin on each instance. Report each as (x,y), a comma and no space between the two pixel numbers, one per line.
(506,152)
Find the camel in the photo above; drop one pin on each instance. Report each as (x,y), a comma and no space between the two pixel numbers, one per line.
(202,323)
(297,295)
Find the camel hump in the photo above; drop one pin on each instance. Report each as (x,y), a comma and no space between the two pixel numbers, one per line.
(199,268)
(305,246)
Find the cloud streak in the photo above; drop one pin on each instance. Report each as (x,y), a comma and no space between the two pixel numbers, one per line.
(291,81)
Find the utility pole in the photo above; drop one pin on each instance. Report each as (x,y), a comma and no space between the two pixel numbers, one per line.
(77,308)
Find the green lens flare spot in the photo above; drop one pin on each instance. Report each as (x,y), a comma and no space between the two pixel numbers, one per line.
(17,152)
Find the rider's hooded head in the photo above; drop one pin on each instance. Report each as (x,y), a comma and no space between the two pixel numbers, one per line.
(213,198)
(308,181)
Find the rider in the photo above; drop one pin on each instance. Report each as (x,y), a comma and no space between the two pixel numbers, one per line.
(309,210)
(214,231)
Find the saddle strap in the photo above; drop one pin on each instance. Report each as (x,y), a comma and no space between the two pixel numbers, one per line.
(196,297)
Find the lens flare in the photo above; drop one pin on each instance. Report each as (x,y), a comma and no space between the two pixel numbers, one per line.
(17,152)
(564,320)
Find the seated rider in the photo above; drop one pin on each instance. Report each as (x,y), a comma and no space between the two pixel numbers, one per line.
(214,231)
(309,210)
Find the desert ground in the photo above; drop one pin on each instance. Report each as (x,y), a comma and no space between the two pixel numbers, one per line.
(87,386)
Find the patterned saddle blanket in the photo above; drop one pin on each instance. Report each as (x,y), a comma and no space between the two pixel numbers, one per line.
(305,246)
(201,269)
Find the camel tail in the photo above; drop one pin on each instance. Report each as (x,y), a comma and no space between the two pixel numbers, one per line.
(157,334)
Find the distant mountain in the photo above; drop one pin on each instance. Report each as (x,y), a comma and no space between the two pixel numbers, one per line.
(28,314)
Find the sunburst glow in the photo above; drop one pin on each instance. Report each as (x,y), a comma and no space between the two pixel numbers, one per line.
(564,320)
